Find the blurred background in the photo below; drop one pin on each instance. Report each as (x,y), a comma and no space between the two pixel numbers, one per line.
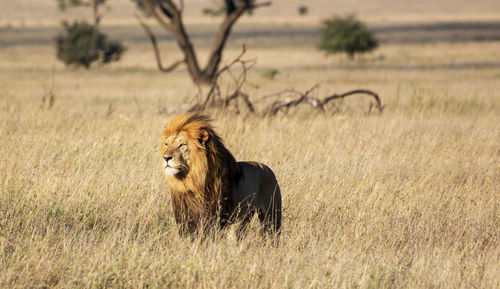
(413,37)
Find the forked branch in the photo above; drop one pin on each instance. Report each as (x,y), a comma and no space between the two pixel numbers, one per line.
(169,15)
(152,38)
(215,98)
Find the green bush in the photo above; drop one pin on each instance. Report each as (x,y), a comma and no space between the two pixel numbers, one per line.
(81,44)
(303,10)
(270,73)
(346,35)
(141,7)
(63,4)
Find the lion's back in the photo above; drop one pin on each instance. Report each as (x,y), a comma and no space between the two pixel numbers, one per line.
(257,185)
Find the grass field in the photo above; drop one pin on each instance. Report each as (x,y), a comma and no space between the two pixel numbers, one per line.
(406,199)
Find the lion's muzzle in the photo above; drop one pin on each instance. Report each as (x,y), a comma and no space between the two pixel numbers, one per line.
(170,166)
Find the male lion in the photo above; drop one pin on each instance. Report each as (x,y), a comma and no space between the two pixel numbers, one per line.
(208,186)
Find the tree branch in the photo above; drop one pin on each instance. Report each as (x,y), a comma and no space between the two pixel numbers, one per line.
(237,59)
(234,11)
(181,6)
(230,7)
(95,9)
(261,4)
(214,96)
(153,13)
(168,8)
(169,15)
(357,91)
(215,99)
(152,38)
(245,98)
(316,102)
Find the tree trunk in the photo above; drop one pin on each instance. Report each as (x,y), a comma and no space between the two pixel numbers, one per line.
(220,41)
(187,49)
(170,17)
(95,9)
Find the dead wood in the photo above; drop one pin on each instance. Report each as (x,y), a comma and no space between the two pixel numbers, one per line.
(215,98)
(314,102)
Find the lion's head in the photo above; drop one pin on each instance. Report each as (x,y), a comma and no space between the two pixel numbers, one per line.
(183,146)
(199,169)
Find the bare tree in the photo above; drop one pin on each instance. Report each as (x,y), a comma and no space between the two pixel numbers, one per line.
(169,15)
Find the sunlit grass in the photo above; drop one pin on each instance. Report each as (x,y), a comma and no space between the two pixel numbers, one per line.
(409,198)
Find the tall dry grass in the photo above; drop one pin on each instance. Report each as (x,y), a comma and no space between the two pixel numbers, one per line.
(389,201)
(407,199)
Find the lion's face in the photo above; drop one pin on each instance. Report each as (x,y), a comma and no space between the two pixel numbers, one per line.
(179,151)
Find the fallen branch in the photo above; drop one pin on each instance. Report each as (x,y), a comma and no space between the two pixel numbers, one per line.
(215,98)
(244,96)
(287,103)
(357,91)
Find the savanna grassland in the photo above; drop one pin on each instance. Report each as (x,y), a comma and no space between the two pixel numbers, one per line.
(406,199)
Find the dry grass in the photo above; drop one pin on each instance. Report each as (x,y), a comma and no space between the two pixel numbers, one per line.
(408,199)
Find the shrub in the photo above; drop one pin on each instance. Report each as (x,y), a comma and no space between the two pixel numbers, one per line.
(141,7)
(346,35)
(270,73)
(81,44)
(303,10)
(63,4)
(214,12)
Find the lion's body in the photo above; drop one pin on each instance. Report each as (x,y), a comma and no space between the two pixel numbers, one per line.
(258,191)
(207,185)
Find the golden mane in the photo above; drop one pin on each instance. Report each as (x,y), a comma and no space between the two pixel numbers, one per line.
(205,192)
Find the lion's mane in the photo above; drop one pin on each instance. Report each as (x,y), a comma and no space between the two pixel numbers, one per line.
(204,194)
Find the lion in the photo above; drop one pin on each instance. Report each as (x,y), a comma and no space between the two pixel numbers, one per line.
(209,188)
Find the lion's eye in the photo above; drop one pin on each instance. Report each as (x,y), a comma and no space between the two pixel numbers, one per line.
(181,145)
(166,144)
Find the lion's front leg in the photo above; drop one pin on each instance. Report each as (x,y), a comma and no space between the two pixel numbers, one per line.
(186,226)
(187,219)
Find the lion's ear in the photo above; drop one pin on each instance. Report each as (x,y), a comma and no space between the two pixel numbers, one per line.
(203,137)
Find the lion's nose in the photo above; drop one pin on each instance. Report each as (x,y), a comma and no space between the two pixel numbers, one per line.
(167,158)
